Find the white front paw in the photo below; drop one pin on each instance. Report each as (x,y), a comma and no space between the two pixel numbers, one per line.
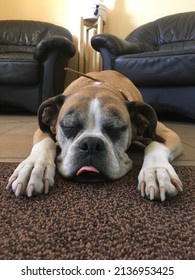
(159,182)
(35,174)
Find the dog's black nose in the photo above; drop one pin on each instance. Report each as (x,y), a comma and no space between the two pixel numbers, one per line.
(92,145)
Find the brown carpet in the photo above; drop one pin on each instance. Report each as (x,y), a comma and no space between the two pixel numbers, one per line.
(98,221)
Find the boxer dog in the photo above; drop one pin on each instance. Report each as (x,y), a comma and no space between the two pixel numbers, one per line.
(94,123)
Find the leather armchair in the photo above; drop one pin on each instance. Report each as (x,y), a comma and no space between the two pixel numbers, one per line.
(159,58)
(33,56)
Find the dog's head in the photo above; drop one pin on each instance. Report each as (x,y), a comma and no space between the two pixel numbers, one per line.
(94,131)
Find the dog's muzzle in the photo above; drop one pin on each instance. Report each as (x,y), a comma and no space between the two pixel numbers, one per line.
(91,151)
(92,145)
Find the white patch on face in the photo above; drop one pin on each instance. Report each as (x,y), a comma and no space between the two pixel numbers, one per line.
(94,118)
(97,83)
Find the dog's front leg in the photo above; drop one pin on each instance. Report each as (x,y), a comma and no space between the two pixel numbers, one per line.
(157,178)
(35,174)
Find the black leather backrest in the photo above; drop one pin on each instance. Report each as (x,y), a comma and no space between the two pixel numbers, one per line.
(30,33)
(173,31)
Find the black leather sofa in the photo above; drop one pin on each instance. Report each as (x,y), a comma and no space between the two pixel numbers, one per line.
(32,59)
(159,57)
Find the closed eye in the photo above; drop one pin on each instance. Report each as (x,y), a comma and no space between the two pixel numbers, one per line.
(71,132)
(114,133)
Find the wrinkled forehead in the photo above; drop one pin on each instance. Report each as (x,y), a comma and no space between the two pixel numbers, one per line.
(103,107)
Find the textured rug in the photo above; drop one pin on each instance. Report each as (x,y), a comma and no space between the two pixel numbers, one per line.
(96,221)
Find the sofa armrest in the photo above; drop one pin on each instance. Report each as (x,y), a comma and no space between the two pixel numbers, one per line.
(117,46)
(52,43)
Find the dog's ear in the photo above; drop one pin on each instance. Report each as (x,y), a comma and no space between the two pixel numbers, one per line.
(48,113)
(144,121)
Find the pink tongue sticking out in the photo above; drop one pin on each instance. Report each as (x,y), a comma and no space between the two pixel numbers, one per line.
(87,169)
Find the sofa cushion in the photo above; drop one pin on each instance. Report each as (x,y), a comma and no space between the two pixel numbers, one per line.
(19,68)
(158,68)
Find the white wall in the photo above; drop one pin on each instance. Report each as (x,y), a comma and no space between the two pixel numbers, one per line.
(123,15)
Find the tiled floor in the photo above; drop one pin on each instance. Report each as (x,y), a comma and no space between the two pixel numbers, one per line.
(16,134)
